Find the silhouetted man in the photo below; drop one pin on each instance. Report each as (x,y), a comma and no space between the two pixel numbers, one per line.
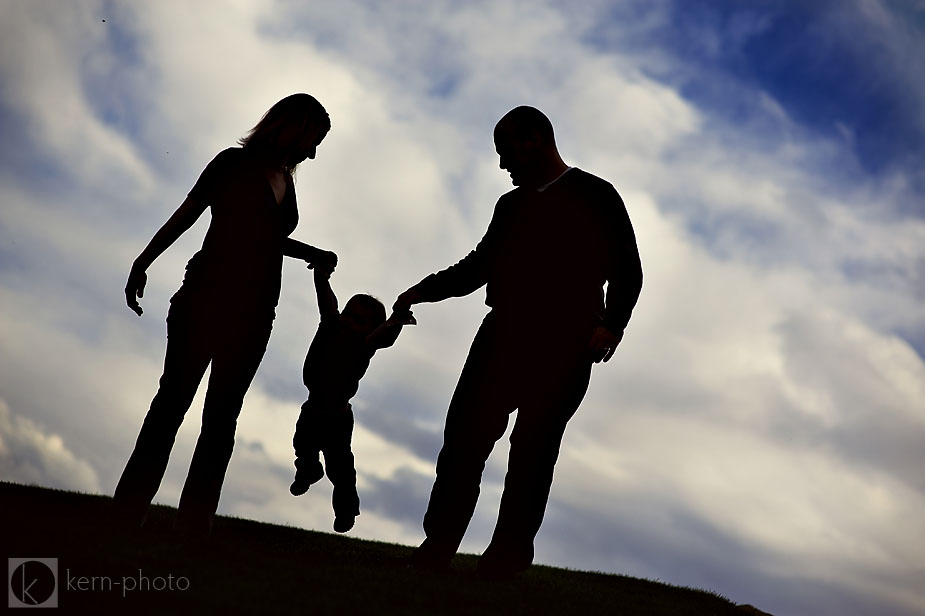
(551,245)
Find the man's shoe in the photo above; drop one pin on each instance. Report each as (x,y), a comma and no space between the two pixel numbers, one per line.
(498,565)
(426,558)
(193,526)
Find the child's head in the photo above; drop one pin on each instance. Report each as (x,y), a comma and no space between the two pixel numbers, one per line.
(363,313)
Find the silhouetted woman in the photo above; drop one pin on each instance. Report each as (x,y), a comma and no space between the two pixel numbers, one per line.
(224,311)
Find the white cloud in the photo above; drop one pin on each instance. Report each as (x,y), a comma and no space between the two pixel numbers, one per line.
(30,455)
(50,93)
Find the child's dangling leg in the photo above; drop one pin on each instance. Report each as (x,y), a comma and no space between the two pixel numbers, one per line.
(339,463)
(306,441)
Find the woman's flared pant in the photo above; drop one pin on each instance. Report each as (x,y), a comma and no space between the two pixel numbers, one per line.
(197,335)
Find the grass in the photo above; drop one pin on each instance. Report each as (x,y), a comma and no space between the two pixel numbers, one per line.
(250,567)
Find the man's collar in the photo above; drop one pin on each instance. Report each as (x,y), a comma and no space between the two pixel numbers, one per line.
(556,179)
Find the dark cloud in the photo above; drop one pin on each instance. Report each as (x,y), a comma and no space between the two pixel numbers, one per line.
(253,477)
(402,498)
(661,539)
(392,422)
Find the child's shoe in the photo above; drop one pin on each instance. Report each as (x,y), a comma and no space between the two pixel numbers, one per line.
(346,503)
(343,523)
(305,477)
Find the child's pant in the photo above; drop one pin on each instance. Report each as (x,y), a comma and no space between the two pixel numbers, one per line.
(328,430)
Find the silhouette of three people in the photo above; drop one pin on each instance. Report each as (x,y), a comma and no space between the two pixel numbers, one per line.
(552,245)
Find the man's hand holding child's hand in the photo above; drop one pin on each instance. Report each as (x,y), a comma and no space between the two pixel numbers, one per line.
(402,317)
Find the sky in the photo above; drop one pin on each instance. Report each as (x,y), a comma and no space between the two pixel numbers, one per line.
(760,432)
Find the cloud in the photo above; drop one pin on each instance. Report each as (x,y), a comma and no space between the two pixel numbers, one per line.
(759,431)
(402,497)
(53,102)
(30,455)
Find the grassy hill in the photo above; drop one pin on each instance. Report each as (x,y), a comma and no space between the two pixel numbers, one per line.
(251,567)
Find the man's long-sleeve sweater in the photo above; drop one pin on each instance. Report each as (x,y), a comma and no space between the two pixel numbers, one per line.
(547,254)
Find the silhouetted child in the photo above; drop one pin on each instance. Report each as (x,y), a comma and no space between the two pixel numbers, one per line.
(336,361)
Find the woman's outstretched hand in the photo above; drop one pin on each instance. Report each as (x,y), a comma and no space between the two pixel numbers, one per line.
(135,288)
(324,260)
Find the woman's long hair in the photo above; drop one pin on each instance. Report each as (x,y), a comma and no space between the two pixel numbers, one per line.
(283,129)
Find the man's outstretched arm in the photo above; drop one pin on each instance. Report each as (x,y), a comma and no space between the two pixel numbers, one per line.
(458,280)
(386,334)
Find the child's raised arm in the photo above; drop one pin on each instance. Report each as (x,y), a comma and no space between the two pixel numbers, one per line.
(327,301)
(386,334)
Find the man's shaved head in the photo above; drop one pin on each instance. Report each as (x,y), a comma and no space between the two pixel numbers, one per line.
(527,146)
(525,122)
